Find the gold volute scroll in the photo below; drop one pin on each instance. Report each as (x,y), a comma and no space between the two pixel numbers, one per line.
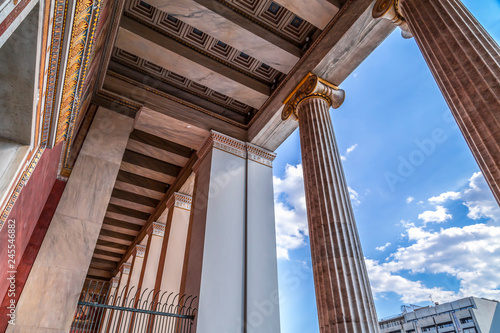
(390,10)
(312,87)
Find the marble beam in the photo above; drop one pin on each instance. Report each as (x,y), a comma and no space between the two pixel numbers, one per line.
(151,45)
(59,271)
(226,25)
(317,12)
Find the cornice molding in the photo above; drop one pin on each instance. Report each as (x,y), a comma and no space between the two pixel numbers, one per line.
(260,155)
(125,268)
(157,229)
(140,250)
(222,142)
(312,86)
(180,200)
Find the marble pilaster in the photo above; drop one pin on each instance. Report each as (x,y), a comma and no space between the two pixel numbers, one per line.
(343,294)
(465,61)
(59,271)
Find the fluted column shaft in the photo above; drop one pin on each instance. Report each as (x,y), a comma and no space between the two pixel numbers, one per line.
(465,62)
(343,295)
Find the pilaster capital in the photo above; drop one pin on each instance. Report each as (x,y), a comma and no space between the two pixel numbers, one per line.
(260,155)
(222,142)
(125,268)
(312,86)
(157,229)
(391,10)
(140,250)
(180,200)
(114,282)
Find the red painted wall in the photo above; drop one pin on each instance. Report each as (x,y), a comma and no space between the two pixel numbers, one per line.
(27,212)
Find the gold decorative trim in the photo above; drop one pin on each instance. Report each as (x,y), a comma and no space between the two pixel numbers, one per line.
(157,229)
(140,250)
(260,155)
(312,87)
(22,182)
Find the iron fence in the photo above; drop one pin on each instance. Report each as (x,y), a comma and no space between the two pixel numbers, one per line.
(131,310)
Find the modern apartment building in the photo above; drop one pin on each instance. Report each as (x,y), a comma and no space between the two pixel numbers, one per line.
(466,315)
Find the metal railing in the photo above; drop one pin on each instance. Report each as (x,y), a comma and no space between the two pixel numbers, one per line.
(101,310)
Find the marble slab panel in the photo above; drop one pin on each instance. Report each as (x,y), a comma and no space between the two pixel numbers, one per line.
(317,12)
(88,190)
(33,314)
(69,243)
(229,32)
(138,190)
(160,154)
(170,60)
(132,205)
(106,138)
(148,173)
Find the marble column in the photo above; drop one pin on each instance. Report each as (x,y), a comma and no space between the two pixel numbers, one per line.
(179,212)
(133,292)
(343,295)
(465,62)
(113,290)
(262,296)
(215,257)
(155,233)
(115,316)
(58,273)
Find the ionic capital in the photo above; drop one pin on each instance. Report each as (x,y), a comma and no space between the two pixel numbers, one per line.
(390,10)
(312,87)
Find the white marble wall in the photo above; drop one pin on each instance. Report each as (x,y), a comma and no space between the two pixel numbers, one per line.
(262,297)
(49,298)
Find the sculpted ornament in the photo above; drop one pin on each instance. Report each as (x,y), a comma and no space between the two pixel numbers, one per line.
(312,87)
(390,10)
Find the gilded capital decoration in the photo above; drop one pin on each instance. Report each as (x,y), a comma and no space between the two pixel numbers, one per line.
(312,87)
(390,10)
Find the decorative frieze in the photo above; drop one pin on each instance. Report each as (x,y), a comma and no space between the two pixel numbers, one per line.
(125,268)
(222,142)
(180,200)
(157,229)
(260,155)
(140,250)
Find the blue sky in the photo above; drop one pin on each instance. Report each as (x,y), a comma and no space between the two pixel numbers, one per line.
(426,229)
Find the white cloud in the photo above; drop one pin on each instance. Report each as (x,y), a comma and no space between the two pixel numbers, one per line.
(382,248)
(479,199)
(348,152)
(409,199)
(290,211)
(354,197)
(351,149)
(469,255)
(439,215)
(443,197)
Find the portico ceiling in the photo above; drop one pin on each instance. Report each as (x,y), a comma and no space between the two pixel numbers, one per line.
(184,67)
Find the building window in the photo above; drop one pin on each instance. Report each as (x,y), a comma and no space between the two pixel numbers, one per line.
(449,324)
(466,320)
(429,329)
(469,330)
